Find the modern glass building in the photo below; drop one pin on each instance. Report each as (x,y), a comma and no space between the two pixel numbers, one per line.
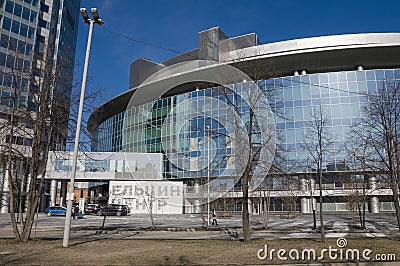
(30,28)
(298,78)
(33,32)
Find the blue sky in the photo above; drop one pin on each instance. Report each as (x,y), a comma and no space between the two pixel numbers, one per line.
(175,24)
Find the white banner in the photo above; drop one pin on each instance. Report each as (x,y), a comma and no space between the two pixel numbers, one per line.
(157,197)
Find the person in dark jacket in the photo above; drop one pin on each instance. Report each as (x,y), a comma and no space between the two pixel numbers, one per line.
(214,217)
(76,212)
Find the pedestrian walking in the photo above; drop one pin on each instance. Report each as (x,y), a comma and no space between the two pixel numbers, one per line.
(214,217)
(76,212)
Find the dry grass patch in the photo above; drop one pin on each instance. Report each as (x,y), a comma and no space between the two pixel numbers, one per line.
(168,252)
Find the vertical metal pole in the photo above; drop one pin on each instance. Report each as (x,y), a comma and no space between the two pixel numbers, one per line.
(53,192)
(67,226)
(208,176)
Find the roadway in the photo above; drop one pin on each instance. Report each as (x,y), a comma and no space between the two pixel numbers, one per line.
(190,226)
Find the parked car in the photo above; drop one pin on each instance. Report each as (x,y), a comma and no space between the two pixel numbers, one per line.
(55,210)
(92,208)
(114,209)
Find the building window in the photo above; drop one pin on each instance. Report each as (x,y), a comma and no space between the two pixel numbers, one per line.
(26,14)
(30,32)
(4,41)
(24,30)
(15,26)
(33,16)
(9,6)
(6,23)
(44,7)
(42,23)
(17,10)
(32,2)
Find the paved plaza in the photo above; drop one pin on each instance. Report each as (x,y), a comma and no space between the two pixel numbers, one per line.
(190,226)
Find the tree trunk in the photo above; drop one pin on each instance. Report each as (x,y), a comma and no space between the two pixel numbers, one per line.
(321,215)
(30,217)
(265,205)
(225,207)
(245,206)
(203,218)
(153,226)
(246,216)
(363,215)
(314,217)
(268,202)
(246,181)
(33,202)
(17,234)
(360,215)
(311,186)
(104,219)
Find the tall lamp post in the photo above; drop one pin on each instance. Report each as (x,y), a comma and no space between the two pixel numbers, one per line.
(70,196)
(208,176)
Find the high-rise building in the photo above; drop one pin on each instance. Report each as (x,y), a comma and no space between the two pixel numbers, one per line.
(33,32)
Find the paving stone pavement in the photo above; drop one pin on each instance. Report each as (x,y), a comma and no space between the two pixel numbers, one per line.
(190,226)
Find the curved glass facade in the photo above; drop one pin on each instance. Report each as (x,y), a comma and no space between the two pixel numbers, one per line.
(340,94)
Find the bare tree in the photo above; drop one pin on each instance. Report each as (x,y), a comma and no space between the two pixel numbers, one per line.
(32,119)
(310,186)
(357,198)
(317,143)
(252,142)
(36,121)
(149,199)
(289,187)
(380,132)
(351,201)
(248,144)
(265,197)
(358,181)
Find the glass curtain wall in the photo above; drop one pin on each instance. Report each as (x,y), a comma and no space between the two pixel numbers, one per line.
(340,94)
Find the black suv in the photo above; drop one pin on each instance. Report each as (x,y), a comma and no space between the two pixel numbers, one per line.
(92,208)
(114,209)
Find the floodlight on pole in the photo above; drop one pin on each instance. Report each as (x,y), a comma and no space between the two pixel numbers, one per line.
(85,15)
(96,17)
(70,194)
(95,14)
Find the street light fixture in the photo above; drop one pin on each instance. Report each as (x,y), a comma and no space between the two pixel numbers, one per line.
(96,17)
(85,15)
(70,196)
